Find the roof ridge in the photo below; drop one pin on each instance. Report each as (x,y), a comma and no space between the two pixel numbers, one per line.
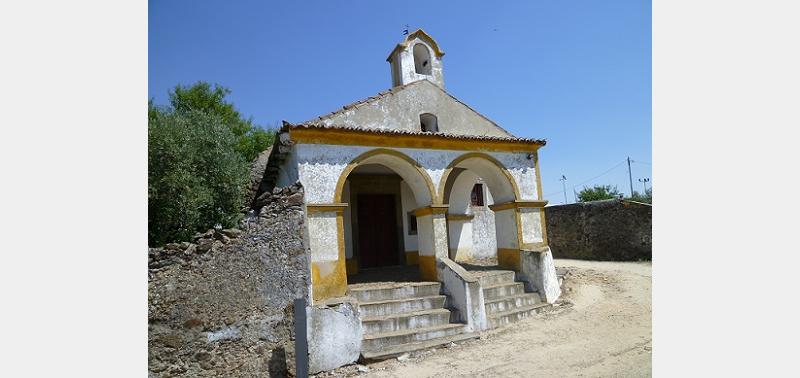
(476,112)
(383,94)
(356,104)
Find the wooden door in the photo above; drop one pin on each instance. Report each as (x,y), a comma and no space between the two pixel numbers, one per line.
(377,230)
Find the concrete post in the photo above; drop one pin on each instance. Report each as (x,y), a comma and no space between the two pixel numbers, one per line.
(538,271)
(300,338)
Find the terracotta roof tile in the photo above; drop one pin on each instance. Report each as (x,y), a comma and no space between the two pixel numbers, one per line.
(288,126)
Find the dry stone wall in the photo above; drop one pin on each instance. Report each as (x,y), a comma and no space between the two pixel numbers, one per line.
(223,306)
(615,230)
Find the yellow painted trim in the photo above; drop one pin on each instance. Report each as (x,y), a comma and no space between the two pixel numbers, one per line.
(518,205)
(348,137)
(508,258)
(533,246)
(412,257)
(478,155)
(428,210)
(325,207)
(460,217)
(539,193)
(422,35)
(352,266)
(518,217)
(337,197)
(427,268)
(503,206)
(331,285)
(531,204)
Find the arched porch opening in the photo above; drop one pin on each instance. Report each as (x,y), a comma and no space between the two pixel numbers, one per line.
(381,189)
(482,221)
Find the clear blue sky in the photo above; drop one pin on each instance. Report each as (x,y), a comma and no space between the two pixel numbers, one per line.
(577,73)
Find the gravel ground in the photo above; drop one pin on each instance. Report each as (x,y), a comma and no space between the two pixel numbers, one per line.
(601,327)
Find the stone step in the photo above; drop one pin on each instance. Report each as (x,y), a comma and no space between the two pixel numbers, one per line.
(377,341)
(511,316)
(502,290)
(388,291)
(512,302)
(397,350)
(396,322)
(495,277)
(397,306)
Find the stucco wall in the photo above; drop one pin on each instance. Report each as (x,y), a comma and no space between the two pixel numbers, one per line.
(600,230)
(475,238)
(400,110)
(531,219)
(348,224)
(407,199)
(321,165)
(484,238)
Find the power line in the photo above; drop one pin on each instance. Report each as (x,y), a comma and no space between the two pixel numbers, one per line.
(591,179)
(600,175)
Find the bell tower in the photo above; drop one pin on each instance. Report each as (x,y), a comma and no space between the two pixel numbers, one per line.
(418,57)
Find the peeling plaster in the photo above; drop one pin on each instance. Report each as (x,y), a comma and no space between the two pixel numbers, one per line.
(323,241)
(531,225)
(321,165)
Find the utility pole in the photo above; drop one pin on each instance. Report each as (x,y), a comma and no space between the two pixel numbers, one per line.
(563,180)
(644,182)
(630,177)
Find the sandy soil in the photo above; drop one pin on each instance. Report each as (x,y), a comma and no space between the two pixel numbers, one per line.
(601,327)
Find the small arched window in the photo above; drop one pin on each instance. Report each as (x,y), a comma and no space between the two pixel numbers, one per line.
(428,123)
(422,59)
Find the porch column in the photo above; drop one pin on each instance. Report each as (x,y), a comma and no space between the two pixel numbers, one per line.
(531,223)
(519,226)
(432,239)
(327,250)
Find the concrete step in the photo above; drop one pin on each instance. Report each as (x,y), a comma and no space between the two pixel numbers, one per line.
(396,322)
(511,316)
(397,350)
(397,306)
(495,277)
(395,290)
(512,302)
(377,341)
(502,290)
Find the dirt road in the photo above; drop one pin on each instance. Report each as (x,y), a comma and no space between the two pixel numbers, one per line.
(602,328)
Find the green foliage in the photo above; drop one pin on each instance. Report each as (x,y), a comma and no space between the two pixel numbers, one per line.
(199,154)
(201,96)
(597,193)
(646,198)
(196,175)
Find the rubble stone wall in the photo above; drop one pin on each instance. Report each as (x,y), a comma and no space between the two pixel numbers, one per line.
(614,230)
(223,306)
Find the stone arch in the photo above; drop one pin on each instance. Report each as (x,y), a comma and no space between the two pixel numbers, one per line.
(409,169)
(496,176)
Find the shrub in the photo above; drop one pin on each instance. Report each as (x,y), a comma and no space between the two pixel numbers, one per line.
(196,176)
(597,193)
